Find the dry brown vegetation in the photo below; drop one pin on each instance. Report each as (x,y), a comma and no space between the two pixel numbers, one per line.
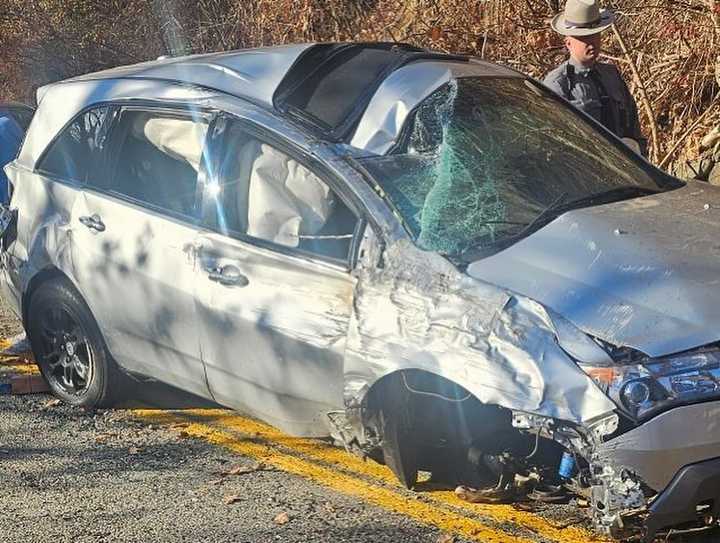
(668,49)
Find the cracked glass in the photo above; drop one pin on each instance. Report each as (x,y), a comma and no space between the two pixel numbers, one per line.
(481,159)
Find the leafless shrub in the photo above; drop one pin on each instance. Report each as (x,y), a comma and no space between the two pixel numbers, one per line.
(673,44)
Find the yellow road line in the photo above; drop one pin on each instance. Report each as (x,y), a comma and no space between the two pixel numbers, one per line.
(12,364)
(376,495)
(337,459)
(18,369)
(344,461)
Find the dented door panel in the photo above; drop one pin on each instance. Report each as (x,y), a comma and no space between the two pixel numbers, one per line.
(43,233)
(273,344)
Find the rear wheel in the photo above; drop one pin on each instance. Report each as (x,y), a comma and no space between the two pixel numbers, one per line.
(68,346)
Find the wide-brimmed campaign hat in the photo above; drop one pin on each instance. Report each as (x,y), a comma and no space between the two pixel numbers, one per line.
(582,18)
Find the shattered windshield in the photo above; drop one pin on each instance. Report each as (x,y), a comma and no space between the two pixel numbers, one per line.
(482,159)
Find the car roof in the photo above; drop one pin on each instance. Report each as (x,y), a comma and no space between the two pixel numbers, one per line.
(21,113)
(256,74)
(252,74)
(326,87)
(16,105)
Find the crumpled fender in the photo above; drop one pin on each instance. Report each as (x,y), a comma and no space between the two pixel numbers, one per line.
(420,312)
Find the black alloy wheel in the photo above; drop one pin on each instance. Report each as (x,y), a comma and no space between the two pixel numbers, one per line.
(68,346)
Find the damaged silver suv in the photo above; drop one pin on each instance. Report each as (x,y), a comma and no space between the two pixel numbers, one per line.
(430,258)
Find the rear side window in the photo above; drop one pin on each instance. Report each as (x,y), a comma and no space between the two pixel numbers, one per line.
(157,159)
(76,152)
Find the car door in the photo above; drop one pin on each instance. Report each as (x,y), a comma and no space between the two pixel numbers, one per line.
(135,226)
(275,291)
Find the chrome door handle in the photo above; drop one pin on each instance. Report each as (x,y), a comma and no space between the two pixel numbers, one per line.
(93,222)
(228,275)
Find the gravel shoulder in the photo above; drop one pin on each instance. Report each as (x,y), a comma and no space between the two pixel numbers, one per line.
(70,475)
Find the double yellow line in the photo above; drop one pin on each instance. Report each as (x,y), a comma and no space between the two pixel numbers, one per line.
(15,364)
(375,484)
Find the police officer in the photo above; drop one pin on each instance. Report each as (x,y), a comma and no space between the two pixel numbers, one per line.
(594,87)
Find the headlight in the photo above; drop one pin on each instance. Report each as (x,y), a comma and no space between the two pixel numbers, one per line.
(643,389)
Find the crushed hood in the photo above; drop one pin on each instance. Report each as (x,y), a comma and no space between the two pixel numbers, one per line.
(642,273)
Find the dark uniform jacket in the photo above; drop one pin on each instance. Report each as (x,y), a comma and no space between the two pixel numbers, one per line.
(601,93)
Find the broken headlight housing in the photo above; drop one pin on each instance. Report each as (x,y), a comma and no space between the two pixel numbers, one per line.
(644,387)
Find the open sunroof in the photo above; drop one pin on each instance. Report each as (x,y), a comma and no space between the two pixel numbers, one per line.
(330,85)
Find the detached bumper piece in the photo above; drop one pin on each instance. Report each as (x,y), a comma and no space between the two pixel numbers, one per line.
(694,486)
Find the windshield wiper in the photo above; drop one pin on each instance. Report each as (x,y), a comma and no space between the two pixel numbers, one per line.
(556,208)
(549,212)
(559,205)
(611,195)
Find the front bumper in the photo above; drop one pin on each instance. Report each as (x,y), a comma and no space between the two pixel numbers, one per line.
(692,486)
(657,450)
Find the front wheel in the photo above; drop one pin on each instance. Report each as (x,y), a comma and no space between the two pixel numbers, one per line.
(68,346)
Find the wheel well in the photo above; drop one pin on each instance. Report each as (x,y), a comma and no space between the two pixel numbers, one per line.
(442,420)
(38,279)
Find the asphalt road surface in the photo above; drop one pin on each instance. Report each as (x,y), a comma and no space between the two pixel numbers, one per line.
(187,471)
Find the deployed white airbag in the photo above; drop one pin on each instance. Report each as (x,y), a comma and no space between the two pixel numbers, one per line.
(285,200)
(179,138)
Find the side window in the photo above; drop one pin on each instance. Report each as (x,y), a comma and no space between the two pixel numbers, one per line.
(158,158)
(266,194)
(76,152)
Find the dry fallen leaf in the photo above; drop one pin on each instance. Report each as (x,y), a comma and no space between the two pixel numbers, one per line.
(446,538)
(134,450)
(436,33)
(51,403)
(242,470)
(237,470)
(281,518)
(232,498)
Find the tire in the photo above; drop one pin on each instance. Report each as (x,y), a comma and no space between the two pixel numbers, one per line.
(69,347)
(399,441)
(399,449)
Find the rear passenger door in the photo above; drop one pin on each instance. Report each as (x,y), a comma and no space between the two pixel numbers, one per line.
(135,226)
(275,291)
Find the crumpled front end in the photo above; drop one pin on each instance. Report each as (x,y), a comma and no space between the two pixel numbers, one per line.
(424,334)
(417,311)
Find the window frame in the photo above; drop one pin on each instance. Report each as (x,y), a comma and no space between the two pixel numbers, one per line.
(117,137)
(212,174)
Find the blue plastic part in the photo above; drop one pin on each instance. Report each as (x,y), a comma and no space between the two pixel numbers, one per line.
(567,465)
